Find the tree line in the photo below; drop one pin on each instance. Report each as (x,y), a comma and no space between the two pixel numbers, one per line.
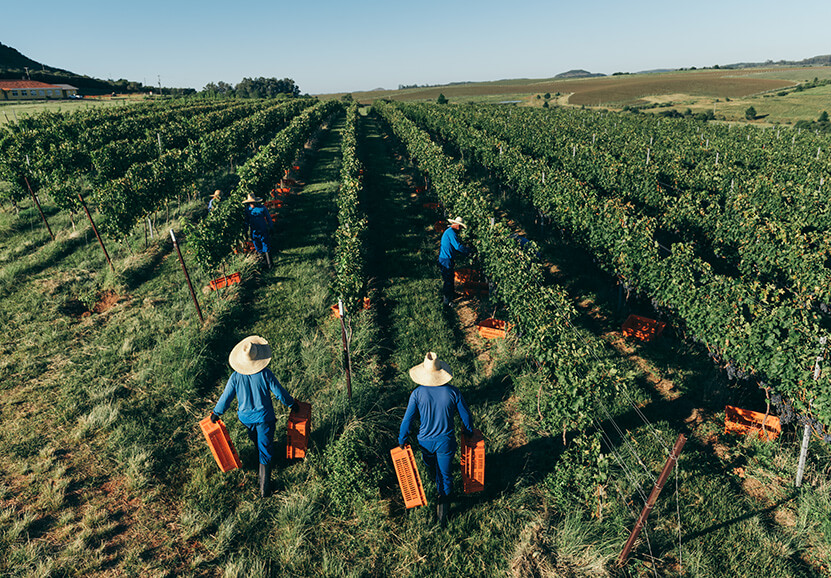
(260,87)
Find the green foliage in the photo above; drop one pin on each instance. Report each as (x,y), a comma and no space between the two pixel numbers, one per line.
(350,277)
(213,238)
(750,113)
(353,470)
(752,324)
(441,99)
(581,473)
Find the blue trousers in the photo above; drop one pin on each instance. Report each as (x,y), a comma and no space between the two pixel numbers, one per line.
(260,240)
(262,434)
(448,287)
(438,456)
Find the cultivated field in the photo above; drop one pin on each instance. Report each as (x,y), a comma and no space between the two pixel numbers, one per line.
(720,232)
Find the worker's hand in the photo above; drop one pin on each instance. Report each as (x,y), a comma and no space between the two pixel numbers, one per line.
(214,417)
(468,434)
(402,446)
(293,408)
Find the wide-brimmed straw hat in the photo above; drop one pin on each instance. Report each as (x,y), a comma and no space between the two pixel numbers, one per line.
(252,199)
(250,356)
(432,372)
(217,194)
(457,221)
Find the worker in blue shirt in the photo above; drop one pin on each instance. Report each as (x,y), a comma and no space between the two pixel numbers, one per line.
(252,384)
(435,402)
(214,199)
(258,219)
(450,247)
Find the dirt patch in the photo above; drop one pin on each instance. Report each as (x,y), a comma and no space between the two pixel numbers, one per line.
(466,311)
(107,301)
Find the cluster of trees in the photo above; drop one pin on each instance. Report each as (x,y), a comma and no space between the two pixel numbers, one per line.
(260,87)
(822,124)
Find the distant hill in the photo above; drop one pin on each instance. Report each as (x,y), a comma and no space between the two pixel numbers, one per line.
(12,62)
(13,66)
(824,60)
(578,74)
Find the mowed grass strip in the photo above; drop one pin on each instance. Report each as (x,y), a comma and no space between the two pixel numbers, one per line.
(91,363)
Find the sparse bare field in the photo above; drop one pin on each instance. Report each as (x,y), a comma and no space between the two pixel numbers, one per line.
(698,90)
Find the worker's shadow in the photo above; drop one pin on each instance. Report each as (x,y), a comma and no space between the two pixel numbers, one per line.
(522,465)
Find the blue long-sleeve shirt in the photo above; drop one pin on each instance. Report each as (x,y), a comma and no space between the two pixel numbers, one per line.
(253,393)
(435,407)
(450,246)
(258,218)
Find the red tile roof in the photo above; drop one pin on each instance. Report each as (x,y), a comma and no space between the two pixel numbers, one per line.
(16,84)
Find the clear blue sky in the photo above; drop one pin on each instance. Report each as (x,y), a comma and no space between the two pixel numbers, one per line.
(329,46)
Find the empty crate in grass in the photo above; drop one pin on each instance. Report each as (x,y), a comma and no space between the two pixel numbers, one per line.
(408,479)
(299,427)
(223,282)
(336,310)
(642,328)
(473,462)
(221,445)
(744,421)
(493,328)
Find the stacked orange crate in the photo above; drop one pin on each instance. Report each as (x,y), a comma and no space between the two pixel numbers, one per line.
(299,428)
(473,462)
(221,445)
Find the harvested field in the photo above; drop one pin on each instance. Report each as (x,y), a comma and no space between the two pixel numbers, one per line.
(624,89)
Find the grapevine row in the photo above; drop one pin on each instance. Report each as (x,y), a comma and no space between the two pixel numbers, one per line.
(350,274)
(582,372)
(213,238)
(752,325)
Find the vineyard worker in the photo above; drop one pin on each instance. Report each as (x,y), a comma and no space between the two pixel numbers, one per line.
(436,402)
(214,199)
(252,384)
(450,247)
(260,223)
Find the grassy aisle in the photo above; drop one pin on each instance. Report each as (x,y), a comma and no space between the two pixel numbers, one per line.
(86,372)
(485,531)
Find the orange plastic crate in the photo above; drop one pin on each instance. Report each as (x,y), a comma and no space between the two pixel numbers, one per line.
(744,421)
(473,462)
(432,206)
(336,310)
(275,204)
(408,478)
(247,247)
(225,281)
(299,428)
(466,275)
(642,328)
(440,226)
(493,328)
(221,445)
(419,190)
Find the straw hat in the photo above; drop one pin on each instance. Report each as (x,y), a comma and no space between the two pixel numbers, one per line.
(217,194)
(457,221)
(250,356)
(432,372)
(252,199)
